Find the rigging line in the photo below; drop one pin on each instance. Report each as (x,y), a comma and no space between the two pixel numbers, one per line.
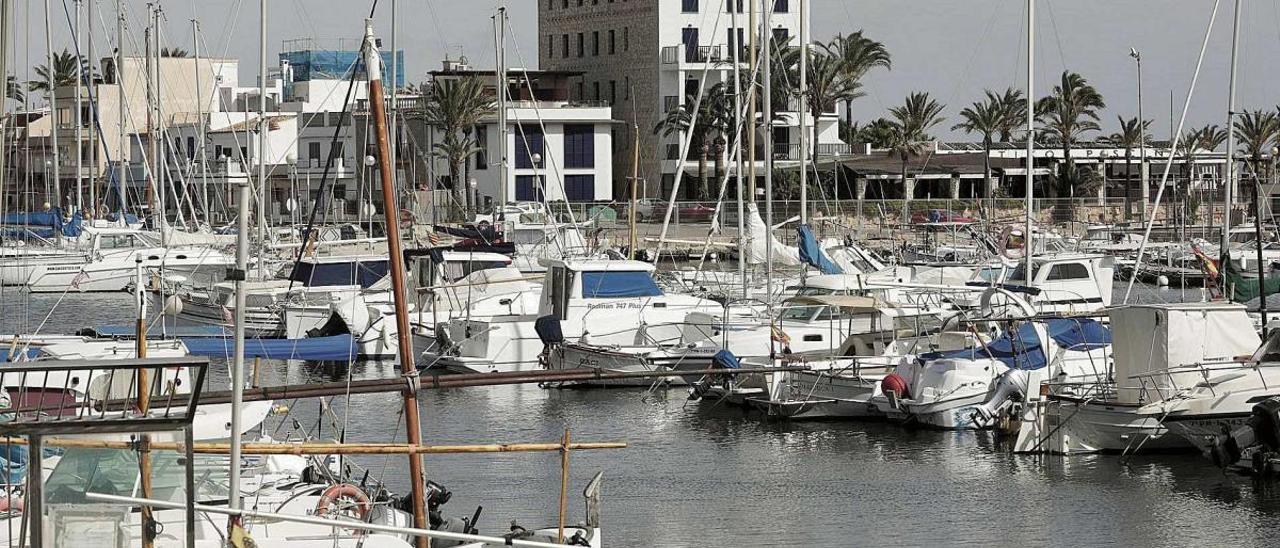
(1057,36)
(435,22)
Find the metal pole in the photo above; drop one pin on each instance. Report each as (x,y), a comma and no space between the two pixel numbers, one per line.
(200,127)
(393,108)
(53,114)
(262,137)
(35,491)
(122,143)
(373,64)
(93,133)
(500,45)
(79,106)
(737,111)
(1028,249)
(188,441)
(1142,152)
(767,119)
(1229,199)
(802,111)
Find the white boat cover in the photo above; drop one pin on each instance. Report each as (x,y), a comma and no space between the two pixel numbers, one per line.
(1161,336)
(757,253)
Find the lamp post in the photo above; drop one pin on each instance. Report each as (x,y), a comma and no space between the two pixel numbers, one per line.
(1142,143)
(475,195)
(540,189)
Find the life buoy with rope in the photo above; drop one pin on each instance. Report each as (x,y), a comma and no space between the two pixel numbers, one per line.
(406,218)
(1013,244)
(345,500)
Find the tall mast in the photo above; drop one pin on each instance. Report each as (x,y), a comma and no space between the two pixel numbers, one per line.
(160,163)
(262,136)
(767,119)
(746,235)
(151,121)
(735,55)
(394,107)
(5,29)
(120,104)
(79,106)
(1028,246)
(200,125)
(803,111)
(93,123)
(53,113)
(501,52)
(373,64)
(1229,200)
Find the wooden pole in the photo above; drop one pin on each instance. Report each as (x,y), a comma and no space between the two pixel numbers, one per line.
(144,405)
(564,483)
(373,66)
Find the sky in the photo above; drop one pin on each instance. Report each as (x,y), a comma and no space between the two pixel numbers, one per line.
(954,49)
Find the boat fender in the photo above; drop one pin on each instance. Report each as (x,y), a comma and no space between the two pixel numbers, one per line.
(894,382)
(343,498)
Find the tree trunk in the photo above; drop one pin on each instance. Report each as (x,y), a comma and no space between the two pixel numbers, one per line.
(987,191)
(701,192)
(459,196)
(848,120)
(908,192)
(1128,173)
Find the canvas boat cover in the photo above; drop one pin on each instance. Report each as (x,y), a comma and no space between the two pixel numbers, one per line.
(1021,348)
(333,348)
(811,252)
(1157,337)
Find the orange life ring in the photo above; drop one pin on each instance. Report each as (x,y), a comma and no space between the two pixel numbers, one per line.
(406,218)
(344,499)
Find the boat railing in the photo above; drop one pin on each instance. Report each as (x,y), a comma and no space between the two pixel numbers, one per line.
(1149,382)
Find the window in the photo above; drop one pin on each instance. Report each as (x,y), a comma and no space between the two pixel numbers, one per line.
(737,40)
(626,38)
(689,6)
(612,42)
(626,91)
(565,52)
(595,43)
(564,4)
(781,6)
(595,86)
(551,45)
(191,148)
(1069,271)
(690,91)
(529,142)
(579,188)
(529,188)
(482,147)
(336,151)
(613,92)
(732,6)
(581,94)
(581,44)
(617,284)
(780,36)
(579,146)
(313,152)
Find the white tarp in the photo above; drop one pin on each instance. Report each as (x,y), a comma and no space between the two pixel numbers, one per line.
(757,252)
(1159,337)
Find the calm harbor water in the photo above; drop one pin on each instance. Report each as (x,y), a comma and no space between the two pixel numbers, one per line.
(698,476)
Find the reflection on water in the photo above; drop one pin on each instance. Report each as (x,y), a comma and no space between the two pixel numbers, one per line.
(700,475)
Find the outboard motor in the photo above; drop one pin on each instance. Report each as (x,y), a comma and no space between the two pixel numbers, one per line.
(1009,387)
(1258,441)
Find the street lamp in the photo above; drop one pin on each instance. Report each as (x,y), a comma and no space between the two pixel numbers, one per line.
(475,194)
(1142,145)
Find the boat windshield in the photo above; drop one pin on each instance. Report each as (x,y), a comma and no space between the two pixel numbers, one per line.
(115,472)
(457,270)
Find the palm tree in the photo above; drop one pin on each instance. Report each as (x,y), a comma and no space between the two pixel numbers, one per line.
(1066,114)
(455,106)
(715,120)
(173,52)
(857,56)
(1131,136)
(14,90)
(1256,131)
(876,133)
(1013,108)
(911,124)
(988,119)
(64,72)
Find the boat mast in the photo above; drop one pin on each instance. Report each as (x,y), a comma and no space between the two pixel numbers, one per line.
(1229,199)
(373,66)
(53,113)
(752,128)
(79,106)
(766,38)
(95,119)
(201,125)
(735,54)
(151,123)
(122,143)
(803,111)
(5,29)
(262,136)
(1028,247)
(144,401)
(500,26)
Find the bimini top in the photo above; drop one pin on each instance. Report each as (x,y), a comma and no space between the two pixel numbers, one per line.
(1021,349)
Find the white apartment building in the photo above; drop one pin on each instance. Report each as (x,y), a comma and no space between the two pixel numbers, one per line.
(646,57)
(558,148)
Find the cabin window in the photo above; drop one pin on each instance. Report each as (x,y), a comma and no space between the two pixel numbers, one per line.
(1069,271)
(456,270)
(615,285)
(363,273)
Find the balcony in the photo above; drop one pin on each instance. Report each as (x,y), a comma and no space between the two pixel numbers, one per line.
(682,54)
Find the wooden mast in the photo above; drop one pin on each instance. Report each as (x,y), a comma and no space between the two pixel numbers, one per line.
(377,113)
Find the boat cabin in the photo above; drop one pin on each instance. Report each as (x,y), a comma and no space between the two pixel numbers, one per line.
(595,283)
(1067,283)
(348,270)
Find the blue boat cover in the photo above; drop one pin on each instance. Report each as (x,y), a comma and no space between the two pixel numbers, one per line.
(1021,349)
(52,219)
(548,329)
(362,273)
(7,355)
(811,253)
(334,348)
(725,359)
(619,284)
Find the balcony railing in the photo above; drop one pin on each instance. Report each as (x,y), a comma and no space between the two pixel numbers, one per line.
(699,54)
